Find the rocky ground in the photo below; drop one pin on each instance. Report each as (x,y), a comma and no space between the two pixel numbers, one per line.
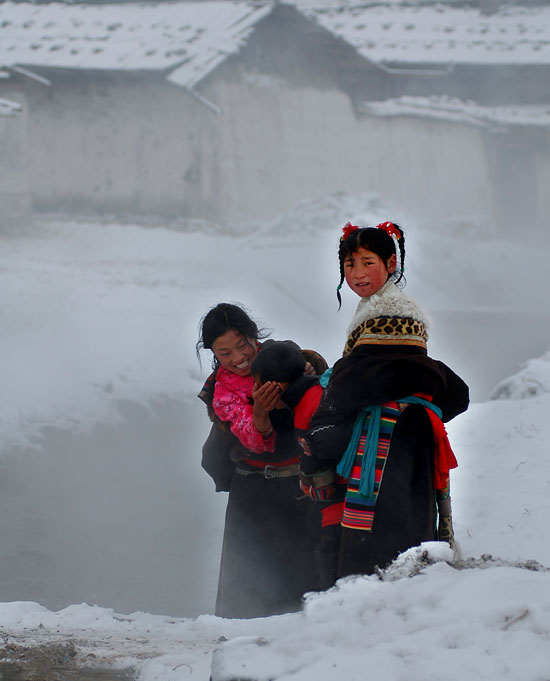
(61,661)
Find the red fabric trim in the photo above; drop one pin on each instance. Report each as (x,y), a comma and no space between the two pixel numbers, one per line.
(332,515)
(444,455)
(307,406)
(444,458)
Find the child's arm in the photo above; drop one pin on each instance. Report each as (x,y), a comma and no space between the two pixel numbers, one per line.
(240,415)
(316,477)
(329,433)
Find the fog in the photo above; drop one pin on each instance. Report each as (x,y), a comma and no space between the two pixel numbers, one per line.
(122,516)
(120,513)
(102,498)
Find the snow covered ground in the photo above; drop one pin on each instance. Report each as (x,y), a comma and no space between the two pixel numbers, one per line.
(99,316)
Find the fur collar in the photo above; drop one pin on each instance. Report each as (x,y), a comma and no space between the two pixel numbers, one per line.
(389,301)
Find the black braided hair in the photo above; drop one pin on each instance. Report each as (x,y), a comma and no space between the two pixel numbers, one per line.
(376,240)
(222,318)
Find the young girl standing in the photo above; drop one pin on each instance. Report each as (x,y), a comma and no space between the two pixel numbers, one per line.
(380,420)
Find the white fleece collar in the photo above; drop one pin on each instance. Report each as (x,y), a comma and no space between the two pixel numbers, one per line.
(389,301)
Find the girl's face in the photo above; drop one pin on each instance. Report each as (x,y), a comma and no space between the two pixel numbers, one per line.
(235,352)
(366,272)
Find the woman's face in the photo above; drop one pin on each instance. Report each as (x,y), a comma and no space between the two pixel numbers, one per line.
(235,352)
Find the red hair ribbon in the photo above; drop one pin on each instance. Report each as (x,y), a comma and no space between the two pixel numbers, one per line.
(390,229)
(347,230)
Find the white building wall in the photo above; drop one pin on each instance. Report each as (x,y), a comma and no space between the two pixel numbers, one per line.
(153,149)
(287,145)
(121,148)
(542,175)
(14,185)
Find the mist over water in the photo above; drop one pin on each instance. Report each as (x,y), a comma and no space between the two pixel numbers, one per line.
(121,517)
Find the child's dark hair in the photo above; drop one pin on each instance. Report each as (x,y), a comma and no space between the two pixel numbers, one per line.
(222,318)
(278,361)
(376,239)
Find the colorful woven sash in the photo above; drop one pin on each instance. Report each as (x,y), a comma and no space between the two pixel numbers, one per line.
(364,460)
(363,463)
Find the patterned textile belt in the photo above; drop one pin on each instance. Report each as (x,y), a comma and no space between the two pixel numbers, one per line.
(271,471)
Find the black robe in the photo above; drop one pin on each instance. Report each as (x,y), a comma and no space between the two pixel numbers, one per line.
(405,507)
(271,528)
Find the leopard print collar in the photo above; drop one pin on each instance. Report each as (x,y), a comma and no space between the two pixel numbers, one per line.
(388,331)
(388,317)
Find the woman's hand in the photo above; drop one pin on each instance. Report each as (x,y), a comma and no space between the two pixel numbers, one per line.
(265,399)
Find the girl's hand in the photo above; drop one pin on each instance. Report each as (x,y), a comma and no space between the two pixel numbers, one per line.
(265,399)
(304,444)
(266,396)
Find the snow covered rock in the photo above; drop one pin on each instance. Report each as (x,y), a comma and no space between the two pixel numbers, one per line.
(533,379)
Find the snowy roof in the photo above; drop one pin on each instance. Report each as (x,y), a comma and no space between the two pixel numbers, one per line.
(445,108)
(441,34)
(191,37)
(9,108)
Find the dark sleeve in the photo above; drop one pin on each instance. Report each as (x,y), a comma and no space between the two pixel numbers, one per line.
(206,394)
(216,457)
(376,376)
(328,441)
(308,405)
(455,396)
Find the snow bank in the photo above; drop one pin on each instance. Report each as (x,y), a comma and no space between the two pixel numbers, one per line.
(500,488)
(482,624)
(423,614)
(533,379)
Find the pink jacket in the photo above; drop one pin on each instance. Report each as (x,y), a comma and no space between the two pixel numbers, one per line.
(233,402)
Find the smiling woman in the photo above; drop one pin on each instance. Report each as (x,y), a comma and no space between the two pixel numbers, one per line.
(235,352)
(271,529)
